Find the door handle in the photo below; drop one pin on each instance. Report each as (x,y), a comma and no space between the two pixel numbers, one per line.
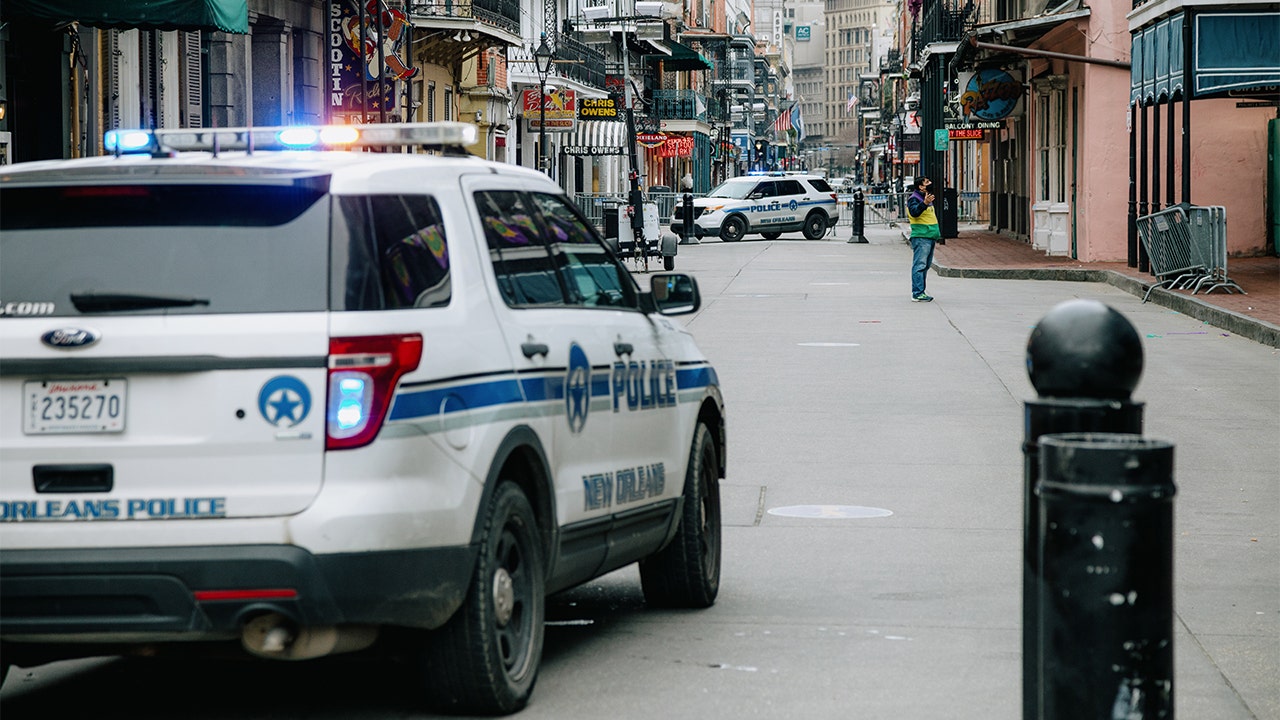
(622,348)
(534,348)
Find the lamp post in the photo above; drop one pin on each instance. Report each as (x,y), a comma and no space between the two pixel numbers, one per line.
(542,58)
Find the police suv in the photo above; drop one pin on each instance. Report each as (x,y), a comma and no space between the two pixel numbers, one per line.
(271,389)
(768,203)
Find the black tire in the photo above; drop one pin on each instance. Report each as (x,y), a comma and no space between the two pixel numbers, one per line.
(733,229)
(771,235)
(815,226)
(485,659)
(669,262)
(686,573)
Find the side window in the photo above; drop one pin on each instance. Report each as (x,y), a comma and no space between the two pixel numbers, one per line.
(593,277)
(764,189)
(391,253)
(526,275)
(790,187)
(821,185)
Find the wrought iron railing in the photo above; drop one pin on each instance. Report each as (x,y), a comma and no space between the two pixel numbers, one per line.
(579,61)
(680,105)
(503,14)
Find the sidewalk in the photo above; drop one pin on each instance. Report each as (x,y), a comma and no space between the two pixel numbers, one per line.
(981,253)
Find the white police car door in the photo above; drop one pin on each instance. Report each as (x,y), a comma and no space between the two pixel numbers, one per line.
(588,358)
(764,209)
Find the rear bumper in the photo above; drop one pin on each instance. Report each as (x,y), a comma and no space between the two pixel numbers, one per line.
(144,594)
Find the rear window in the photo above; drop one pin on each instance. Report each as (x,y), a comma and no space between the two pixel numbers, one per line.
(389,252)
(820,185)
(164,249)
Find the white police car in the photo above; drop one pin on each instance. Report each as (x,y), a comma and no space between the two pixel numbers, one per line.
(302,400)
(768,203)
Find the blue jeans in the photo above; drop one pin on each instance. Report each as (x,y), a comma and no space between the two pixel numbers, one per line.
(922,259)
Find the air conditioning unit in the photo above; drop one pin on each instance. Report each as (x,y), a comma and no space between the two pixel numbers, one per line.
(657,8)
(597,13)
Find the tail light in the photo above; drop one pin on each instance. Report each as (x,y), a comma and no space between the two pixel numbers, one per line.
(363,372)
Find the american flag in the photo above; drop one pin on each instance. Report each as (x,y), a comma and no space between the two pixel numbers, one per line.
(853,101)
(783,123)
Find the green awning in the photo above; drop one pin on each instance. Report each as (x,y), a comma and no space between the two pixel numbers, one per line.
(682,57)
(226,15)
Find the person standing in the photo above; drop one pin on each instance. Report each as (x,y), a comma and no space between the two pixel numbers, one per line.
(924,234)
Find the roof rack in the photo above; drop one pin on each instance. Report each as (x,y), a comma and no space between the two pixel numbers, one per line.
(449,137)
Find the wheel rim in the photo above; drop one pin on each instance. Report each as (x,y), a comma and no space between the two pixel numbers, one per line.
(734,230)
(513,603)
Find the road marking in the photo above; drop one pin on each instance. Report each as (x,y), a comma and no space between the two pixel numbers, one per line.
(839,512)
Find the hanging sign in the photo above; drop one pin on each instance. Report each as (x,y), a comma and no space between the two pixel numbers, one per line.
(990,94)
(599,109)
(561,109)
(651,140)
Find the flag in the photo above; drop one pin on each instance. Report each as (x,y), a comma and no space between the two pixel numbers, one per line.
(782,124)
(853,100)
(797,122)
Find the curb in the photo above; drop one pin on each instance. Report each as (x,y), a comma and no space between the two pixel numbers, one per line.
(1235,323)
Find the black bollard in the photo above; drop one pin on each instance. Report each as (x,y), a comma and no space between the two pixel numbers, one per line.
(1106,599)
(859,209)
(1084,360)
(687,235)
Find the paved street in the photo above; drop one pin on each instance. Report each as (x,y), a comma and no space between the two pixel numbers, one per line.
(842,392)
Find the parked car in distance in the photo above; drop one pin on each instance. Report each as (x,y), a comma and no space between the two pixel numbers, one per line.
(766,203)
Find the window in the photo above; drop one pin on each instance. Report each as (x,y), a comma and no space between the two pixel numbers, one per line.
(431,100)
(394,255)
(521,261)
(1051,139)
(593,277)
(61,242)
(448,105)
(790,187)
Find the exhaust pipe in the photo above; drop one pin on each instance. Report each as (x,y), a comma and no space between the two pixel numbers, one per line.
(276,637)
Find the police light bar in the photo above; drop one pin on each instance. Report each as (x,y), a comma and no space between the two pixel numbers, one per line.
(293,137)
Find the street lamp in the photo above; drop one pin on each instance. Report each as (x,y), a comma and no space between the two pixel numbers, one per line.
(542,58)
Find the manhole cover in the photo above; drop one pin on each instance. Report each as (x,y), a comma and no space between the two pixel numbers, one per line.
(830,511)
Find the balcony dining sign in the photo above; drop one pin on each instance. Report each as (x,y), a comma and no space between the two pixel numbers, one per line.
(363,60)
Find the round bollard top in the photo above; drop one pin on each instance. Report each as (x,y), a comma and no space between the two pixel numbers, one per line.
(1085,349)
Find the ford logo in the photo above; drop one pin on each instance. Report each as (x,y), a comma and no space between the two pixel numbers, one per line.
(69,338)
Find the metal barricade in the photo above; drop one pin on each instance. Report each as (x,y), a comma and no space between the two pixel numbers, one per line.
(1209,246)
(593,205)
(1166,236)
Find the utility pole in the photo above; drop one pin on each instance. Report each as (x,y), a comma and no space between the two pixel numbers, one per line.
(635,198)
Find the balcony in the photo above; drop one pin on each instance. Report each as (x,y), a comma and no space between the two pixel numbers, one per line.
(499,14)
(947,21)
(579,61)
(445,31)
(680,105)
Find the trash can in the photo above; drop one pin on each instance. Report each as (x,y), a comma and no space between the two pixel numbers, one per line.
(949,214)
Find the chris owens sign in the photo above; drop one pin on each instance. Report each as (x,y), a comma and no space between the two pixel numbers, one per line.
(598,109)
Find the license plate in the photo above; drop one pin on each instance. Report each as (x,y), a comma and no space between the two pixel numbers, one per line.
(74,406)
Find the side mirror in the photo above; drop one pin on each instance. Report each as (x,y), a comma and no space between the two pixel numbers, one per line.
(675,293)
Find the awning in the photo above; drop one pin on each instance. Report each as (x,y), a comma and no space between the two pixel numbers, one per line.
(682,58)
(596,137)
(226,15)
(1233,53)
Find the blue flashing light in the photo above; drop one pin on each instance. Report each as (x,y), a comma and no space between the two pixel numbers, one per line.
(299,137)
(126,141)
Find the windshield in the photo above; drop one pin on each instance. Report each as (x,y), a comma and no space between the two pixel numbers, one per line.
(164,249)
(735,189)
